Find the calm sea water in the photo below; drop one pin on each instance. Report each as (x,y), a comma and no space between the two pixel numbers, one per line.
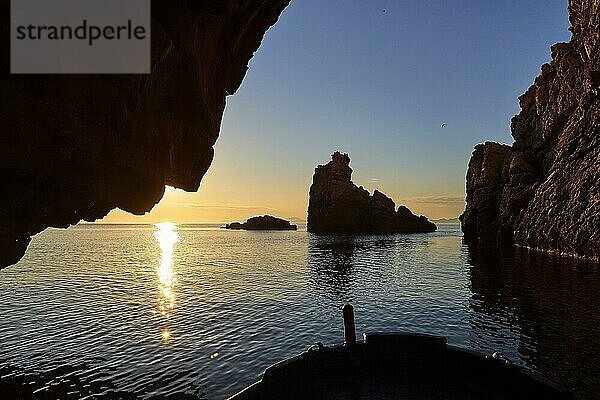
(138,311)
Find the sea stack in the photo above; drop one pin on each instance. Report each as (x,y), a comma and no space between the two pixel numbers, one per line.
(338,206)
(543,192)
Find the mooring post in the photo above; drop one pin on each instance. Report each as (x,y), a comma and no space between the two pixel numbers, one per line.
(349,329)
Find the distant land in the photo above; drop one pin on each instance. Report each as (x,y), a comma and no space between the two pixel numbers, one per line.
(446,220)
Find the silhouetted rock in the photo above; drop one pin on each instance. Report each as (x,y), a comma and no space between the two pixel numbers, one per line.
(74,147)
(543,191)
(264,223)
(336,205)
(234,225)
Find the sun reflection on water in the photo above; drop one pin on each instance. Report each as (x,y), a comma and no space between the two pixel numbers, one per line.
(166,237)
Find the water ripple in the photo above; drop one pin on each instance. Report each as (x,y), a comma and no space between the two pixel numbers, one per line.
(123,311)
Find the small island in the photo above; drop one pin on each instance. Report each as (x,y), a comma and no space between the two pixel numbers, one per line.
(264,223)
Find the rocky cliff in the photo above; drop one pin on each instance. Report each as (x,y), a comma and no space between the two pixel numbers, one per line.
(73,147)
(543,192)
(336,205)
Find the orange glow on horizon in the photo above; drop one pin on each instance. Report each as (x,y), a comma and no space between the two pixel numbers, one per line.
(203,207)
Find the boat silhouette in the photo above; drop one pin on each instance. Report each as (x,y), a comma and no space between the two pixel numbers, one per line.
(398,366)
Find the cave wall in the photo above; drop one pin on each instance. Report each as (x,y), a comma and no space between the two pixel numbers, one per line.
(543,192)
(74,147)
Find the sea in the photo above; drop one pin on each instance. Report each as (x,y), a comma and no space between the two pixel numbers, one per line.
(102,311)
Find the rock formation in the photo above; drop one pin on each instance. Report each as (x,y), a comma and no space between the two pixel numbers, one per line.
(264,223)
(336,205)
(543,192)
(74,147)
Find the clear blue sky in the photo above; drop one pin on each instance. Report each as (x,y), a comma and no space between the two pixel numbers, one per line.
(345,75)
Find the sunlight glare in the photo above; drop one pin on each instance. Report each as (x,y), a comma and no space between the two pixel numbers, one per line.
(165,335)
(166,238)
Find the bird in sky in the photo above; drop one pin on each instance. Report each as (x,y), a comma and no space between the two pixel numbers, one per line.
(444,124)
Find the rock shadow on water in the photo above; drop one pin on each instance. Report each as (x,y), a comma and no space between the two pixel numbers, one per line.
(331,261)
(550,303)
(334,262)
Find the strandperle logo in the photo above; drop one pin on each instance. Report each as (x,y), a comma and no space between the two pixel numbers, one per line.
(85,31)
(80,36)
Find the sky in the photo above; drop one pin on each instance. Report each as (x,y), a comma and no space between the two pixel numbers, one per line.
(374,79)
